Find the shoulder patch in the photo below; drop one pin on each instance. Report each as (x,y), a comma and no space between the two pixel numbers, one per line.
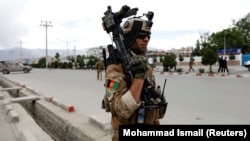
(112,84)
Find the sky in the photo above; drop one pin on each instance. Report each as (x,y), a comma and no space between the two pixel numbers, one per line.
(77,24)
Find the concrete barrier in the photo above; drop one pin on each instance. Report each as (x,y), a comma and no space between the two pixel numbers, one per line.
(24,99)
(26,135)
(48,98)
(7,108)
(4,102)
(13,116)
(58,123)
(1,96)
(57,102)
(67,107)
(101,122)
(12,88)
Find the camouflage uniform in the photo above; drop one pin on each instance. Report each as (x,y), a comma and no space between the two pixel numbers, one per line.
(119,100)
(99,68)
(122,104)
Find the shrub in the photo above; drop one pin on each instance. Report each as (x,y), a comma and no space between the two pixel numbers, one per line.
(201,70)
(231,57)
(179,70)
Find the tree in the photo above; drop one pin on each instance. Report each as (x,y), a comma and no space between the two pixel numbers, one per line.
(91,61)
(57,56)
(169,62)
(236,36)
(161,59)
(154,59)
(204,37)
(243,26)
(228,38)
(209,57)
(41,62)
(81,63)
(197,50)
(181,58)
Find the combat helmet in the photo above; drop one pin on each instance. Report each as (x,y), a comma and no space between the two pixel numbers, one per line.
(134,26)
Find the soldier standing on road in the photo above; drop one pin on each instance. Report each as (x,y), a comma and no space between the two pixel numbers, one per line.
(191,62)
(99,68)
(125,102)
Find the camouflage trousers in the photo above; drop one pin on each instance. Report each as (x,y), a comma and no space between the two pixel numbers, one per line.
(99,74)
(115,135)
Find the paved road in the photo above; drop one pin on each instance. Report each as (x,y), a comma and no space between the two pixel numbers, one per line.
(192,100)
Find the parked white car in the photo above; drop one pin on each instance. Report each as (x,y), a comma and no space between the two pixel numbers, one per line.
(247,64)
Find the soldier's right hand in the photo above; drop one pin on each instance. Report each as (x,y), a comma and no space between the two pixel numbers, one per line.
(138,66)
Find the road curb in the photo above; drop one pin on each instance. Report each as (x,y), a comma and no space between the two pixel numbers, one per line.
(101,121)
(222,75)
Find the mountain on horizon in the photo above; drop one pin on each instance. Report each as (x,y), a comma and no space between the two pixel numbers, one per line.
(24,53)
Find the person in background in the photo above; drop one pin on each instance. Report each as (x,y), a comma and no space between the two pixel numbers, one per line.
(220,61)
(224,65)
(191,62)
(99,68)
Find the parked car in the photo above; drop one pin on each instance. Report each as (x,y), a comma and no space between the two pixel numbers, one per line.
(247,64)
(7,67)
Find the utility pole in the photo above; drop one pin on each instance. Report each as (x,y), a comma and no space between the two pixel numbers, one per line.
(67,48)
(75,56)
(224,38)
(224,43)
(46,24)
(21,55)
(67,45)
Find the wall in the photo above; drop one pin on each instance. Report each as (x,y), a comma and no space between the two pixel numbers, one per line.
(58,123)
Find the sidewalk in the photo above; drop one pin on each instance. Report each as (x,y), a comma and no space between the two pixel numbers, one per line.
(7,131)
(234,72)
(16,124)
(22,127)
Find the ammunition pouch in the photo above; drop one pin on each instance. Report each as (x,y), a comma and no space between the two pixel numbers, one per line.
(107,102)
(162,109)
(153,99)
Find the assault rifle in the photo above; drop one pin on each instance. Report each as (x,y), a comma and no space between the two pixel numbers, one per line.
(111,23)
(121,54)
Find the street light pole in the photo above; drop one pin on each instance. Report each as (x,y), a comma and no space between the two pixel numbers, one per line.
(224,43)
(67,48)
(46,24)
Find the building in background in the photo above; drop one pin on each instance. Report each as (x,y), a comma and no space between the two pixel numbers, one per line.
(152,53)
(95,51)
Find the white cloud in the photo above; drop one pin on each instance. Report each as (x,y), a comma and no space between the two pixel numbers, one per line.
(176,23)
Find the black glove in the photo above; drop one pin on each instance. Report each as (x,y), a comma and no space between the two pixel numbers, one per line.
(138,66)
